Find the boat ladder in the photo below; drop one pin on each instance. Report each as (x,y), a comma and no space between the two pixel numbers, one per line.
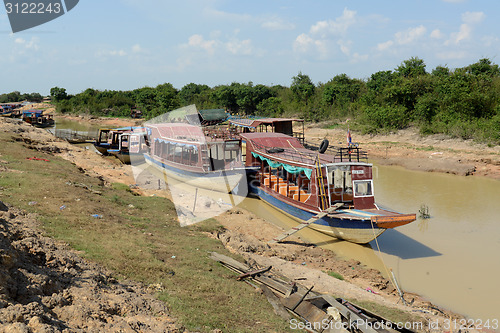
(322,195)
(304,224)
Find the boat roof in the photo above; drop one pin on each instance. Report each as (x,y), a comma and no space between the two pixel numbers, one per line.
(178,131)
(279,146)
(37,112)
(186,132)
(253,123)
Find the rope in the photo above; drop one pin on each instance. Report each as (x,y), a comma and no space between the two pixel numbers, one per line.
(381,258)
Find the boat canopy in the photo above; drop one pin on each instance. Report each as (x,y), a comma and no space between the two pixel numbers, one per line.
(289,168)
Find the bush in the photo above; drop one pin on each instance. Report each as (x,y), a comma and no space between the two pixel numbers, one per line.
(386,117)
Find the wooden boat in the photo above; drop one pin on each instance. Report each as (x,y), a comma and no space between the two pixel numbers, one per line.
(131,146)
(334,193)
(37,118)
(194,155)
(108,139)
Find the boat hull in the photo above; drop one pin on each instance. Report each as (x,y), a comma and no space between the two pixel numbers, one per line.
(354,230)
(224,181)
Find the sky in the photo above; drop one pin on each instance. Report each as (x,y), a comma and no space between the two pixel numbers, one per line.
(128,44)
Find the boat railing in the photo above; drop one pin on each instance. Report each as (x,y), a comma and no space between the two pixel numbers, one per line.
(288,153)
(351,154)
(342,154)
(220,133)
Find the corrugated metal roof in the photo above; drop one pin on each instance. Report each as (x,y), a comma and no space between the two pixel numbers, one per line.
(266,121)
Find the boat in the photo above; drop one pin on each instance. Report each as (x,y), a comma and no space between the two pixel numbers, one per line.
(108,139)
(37,118)
(200,157)
(131,146)
(331,193)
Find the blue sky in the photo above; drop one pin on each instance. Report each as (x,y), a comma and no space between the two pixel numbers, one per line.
(127,44)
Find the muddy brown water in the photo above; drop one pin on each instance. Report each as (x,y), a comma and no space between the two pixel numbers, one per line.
(452,258)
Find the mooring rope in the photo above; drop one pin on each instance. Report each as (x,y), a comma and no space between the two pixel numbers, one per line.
(381,258)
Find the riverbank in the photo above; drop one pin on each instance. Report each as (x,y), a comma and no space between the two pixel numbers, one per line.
(246,235)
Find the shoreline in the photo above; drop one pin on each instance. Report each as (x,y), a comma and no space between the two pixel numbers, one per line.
(249,240)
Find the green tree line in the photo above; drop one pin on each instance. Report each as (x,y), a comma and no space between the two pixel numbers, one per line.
(461,102)
(16,96)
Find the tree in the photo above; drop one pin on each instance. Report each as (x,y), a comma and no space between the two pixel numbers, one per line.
(379,80)
(302,87)
(191,93)
(441,71)
(58,94)
(483,67)
(412,67)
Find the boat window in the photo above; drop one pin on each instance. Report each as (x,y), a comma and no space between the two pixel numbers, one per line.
(363,188)
(347,182)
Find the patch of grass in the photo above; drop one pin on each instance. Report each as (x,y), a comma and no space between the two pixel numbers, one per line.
(336,275)
(138,238)
(428,148)
(392,314)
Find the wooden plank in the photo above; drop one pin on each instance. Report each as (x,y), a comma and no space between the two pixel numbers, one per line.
(346,313)
(253,273)
(302,225)
(229,261)
(279,309)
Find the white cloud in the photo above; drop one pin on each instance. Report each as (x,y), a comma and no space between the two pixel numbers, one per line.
(335,27)
(239,46)
(197,41)
(103,54)
(437,34)
(385,46)
(410,35)
(137,48)
(345,46)
(277,24)
(31,44)
(326,36)
(473,17)
(304,44)
(465,31)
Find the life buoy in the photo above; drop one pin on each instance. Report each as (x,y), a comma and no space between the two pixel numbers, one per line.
(323,146)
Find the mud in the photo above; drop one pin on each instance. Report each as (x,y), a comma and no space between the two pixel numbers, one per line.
(46,287)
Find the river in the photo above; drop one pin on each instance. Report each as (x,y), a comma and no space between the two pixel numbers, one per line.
(451,259)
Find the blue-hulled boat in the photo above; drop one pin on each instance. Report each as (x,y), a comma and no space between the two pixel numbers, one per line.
(306,185)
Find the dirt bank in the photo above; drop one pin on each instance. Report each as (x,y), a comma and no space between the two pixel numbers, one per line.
(47,287)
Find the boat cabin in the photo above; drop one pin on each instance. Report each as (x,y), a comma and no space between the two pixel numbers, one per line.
(268,125)
(189,145)
(294,174)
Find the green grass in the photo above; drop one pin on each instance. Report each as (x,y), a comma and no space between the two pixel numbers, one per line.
(137,238)
(336,275)
(428,148)
(392,314)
